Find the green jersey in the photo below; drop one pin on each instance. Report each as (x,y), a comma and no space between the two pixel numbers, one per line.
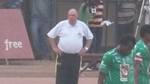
(118,69)
(142,49)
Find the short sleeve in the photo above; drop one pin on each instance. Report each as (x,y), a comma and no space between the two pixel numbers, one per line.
(139,51)
(54,31)
(87,33)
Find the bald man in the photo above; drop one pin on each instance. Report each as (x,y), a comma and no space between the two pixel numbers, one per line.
(69,47)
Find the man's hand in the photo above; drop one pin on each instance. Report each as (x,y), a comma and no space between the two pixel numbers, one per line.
(86,47)
(57,50)
(82,52)
(107,23)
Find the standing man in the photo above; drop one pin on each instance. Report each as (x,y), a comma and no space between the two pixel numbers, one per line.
(70,47)
(40,21)
(92,13)
(117,65)
(147,12)
(11,4)
(126,14)
(142,57)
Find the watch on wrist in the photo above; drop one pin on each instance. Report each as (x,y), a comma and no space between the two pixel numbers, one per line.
(86,48)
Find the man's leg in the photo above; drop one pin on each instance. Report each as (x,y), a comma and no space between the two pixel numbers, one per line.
(98,37)
(74,70)
(93,45)
(62,71)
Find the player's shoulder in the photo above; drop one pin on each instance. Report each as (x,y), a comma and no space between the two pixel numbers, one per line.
(140,45)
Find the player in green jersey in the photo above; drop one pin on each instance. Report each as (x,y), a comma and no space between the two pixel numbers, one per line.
(117,64)
(142,57)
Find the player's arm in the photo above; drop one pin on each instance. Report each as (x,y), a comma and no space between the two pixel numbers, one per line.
(137,60)
(104,67)
(101,78)
(138,54)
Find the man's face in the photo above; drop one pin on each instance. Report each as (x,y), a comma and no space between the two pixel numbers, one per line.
(125,49)
(86,2)
(72,17)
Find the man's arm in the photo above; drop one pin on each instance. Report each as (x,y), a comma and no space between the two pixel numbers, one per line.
(86,47)
(88,43)
(101,77)
(89,37)
(137,61)
(54,46)
(104,68)
(53,35)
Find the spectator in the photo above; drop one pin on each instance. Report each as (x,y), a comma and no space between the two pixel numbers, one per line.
(39,25)
(126,18)
(91,12)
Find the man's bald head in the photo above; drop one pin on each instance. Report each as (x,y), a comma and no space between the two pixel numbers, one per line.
(72,16)
(73,12)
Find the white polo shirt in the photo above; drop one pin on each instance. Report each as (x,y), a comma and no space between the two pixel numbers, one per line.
(70,37)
